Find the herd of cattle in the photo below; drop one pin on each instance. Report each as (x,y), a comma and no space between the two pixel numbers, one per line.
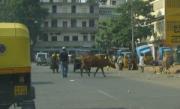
(98,61)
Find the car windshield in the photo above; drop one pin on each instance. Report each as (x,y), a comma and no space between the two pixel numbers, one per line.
(41,55)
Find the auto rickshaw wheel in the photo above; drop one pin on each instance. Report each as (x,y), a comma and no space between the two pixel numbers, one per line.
(4,107)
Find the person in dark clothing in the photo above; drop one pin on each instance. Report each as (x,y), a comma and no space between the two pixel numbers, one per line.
(129,62)
(64,62)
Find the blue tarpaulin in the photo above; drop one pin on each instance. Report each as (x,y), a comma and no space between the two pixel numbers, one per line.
(145,50)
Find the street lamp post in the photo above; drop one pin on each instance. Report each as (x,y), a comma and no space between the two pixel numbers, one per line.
(132,26)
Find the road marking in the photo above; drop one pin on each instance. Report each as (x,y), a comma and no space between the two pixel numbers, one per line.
(72,80)
(106,94)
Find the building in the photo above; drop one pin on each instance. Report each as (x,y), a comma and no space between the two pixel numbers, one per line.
(159,23)
(70,23)
(167,23)
(107,8)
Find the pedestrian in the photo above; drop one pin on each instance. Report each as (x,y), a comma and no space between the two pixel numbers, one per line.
(171,60)
(134,63)
(141,62)
(64,62)
(129,62)
(55,62)
(120,62)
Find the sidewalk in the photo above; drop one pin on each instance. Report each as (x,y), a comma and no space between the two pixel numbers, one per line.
(167,80)
(155,69)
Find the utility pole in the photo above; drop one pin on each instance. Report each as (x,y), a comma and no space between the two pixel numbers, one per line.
(132,26)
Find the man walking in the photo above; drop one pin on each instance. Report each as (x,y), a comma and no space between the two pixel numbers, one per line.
(141,62)
(64,62)
(55,62)
(120,62)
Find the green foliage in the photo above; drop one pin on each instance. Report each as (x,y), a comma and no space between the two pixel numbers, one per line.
(119,29)
(27,12)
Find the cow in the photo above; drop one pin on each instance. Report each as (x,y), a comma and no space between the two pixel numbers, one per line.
(166,64)
(99,61)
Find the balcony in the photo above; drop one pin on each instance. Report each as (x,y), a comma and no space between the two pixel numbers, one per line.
(69,3)
(73,15)
(69,29)
(62,43)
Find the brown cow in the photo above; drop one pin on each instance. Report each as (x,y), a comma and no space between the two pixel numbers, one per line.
(99,61)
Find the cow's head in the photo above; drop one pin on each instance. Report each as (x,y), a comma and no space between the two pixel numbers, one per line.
(111,64)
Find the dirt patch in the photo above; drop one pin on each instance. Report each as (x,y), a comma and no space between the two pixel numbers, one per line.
(156,69)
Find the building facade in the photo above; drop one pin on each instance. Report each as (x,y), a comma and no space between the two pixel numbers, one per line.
(159,23)
(167,23)
(107,9)
(70,23)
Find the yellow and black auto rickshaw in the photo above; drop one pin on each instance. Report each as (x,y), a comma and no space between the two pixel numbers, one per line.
(15,67)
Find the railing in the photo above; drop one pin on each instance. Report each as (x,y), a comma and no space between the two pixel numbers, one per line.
(67,44)
(70,3)
(69,29)
(74,15)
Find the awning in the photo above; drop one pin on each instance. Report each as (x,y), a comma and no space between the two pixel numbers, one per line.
(145,50)
(168,50)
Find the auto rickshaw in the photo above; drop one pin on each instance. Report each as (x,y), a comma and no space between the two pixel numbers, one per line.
(15,67)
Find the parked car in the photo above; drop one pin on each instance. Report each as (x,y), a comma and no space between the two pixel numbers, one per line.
(42,58)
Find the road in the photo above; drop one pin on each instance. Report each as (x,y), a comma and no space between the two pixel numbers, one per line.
(119,90)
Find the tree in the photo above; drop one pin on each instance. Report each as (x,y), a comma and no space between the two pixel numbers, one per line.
(104,35)
(141,17)
(28,12)
(120,28)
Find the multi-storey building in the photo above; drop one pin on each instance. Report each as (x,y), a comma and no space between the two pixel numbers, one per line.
(159,23)
(70,23)
(167,23)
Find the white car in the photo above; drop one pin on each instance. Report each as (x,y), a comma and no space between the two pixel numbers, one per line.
(42,58)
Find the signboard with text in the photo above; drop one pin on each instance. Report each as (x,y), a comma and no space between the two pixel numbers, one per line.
(172,22)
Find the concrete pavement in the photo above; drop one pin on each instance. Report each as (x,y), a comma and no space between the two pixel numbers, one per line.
(119,90)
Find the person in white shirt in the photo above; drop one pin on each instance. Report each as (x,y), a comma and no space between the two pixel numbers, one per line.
(141,62)
(120,62)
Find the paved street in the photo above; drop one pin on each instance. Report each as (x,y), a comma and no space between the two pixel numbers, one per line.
(119,90)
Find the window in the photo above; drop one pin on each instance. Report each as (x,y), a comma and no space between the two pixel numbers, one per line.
(85,38)
(54,9)
(91,9)
(83,1)
(113,2)
(84,24)
(75,38)
(46,23)
(93,38)
(65,1)
(66,38)
(54,38)
(65,24)
(73,23)
(73,9)
(58,33)
(73,1)
(43,37)
(54,23)
(91,23)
